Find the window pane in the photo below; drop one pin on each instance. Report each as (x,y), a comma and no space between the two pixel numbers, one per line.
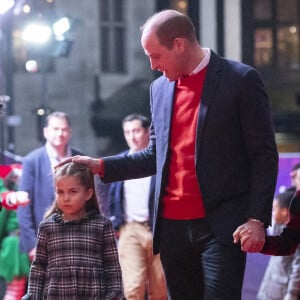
(120,50)
(287,10)
(263,47)
(262,9)
(112,36)
(104,10)
(288,47)
(19,51)
(118,10)
(105,49)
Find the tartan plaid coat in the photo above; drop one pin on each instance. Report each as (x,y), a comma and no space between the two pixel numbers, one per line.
(75,260)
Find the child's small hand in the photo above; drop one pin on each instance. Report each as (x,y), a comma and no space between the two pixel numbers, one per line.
(17,198)
(31,254)
(117,234)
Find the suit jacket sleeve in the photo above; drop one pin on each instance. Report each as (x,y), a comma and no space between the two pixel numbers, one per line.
(25,213)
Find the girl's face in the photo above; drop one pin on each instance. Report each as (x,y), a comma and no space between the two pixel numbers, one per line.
(71,196)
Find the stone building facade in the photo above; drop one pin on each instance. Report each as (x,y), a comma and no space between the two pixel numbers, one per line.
(106,75)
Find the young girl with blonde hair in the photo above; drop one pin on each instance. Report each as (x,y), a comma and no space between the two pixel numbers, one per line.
(76,255)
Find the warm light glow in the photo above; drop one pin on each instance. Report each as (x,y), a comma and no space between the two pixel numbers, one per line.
(182,5)
(293,29)
(61,26)
(26,9)
(37,33)
(6,5)
(31,66)
(41,112)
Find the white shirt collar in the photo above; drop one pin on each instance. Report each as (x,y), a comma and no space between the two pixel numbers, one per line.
(204,62)
(53,154)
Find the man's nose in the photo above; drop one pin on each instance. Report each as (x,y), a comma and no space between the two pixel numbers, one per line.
(60,132)
(131,135)
(153,65)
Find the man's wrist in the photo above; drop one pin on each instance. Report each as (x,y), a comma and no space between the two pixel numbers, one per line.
(99,167)
(259,222)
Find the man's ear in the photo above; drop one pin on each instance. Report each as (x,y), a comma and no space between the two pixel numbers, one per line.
(45,131)
(179,45)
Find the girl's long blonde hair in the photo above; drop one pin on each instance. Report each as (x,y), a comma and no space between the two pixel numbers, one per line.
(86,178)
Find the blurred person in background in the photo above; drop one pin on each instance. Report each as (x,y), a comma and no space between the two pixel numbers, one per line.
(294,178)
(131,206)
(14,264)
(37,176)
(282,276)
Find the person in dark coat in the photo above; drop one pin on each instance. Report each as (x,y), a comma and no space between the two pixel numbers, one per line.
(212,148)
(131,206)
(37,176)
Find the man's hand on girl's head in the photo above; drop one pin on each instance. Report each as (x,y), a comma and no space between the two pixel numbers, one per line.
(95,165)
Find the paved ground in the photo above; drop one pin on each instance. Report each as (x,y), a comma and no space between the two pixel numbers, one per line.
(255,268)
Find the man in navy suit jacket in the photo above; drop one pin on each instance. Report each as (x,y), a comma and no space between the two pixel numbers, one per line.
(131,206)
(37,179)
(212,147)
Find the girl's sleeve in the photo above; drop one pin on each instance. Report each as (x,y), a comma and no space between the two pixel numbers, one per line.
(111,265)
(39,266)
(279,246)
(287,242)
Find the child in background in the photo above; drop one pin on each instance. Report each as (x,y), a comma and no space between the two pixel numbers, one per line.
(287,242)
(280,210)
(14,265)
(10,198)
(281,278)
(76,256)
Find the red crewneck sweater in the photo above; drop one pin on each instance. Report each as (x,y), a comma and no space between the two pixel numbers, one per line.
(182,199)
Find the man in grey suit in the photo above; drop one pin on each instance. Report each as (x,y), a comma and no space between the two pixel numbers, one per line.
(213,150)
(37,180)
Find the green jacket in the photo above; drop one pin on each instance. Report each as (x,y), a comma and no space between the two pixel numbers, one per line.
(13,263)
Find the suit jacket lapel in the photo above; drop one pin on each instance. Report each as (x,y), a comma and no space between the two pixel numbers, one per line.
(208,93)
(169,90)
(47,170)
